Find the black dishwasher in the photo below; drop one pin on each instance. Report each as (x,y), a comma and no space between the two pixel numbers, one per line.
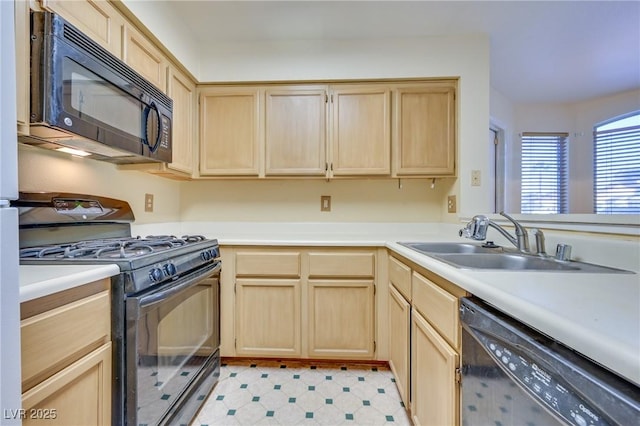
(514,375)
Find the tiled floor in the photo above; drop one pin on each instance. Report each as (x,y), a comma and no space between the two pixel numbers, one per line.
(293,393)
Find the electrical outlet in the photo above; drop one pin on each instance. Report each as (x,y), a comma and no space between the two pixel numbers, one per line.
(148,203)
(325,203)
(451,203)
(475,177)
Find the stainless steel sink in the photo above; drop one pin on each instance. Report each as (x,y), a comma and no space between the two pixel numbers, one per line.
(472,256)
(428,248)
(505,261)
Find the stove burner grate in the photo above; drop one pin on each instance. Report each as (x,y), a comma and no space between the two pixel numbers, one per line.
(117,248)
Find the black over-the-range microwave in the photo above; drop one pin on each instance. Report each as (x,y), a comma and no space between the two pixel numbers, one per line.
(87,101)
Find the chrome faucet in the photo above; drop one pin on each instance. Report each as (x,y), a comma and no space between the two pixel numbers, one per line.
(477,228)
(540,247)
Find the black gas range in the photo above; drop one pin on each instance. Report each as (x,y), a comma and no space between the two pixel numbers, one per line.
(165,301)
(144,261)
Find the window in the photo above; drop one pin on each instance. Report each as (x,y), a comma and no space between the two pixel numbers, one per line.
(544,173)
(617,166)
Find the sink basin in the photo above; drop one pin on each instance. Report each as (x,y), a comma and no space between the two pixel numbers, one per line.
(427,248)
(505,261)
(474,256)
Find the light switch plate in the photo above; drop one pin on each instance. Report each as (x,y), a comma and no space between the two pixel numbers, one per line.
(451,204)
(148,203)
(325,203)
(475,177)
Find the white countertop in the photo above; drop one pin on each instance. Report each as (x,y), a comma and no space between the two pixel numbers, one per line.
(42,280)
(598,315)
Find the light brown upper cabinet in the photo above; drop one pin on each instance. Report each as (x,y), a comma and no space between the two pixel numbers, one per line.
(356,118)
(144,57)
(230,131)
(183,92)
(329,130)
(361,136)
(295,131)
(425,130)
(96,18)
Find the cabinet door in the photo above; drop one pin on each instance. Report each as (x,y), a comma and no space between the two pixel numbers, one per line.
(399,328)
(144,57)
(424,136)
(341,319)
(361,138)
(182,90)
(434,389)
(96,18)
(230,132)
(295,129)
(268,317)
(77,395)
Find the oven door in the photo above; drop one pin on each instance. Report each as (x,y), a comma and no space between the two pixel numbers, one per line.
(172,335)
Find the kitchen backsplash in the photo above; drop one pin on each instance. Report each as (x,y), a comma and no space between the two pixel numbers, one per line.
(44,170)
(290,200)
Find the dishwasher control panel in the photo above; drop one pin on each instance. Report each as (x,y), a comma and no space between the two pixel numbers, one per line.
(542,384)
(535,376)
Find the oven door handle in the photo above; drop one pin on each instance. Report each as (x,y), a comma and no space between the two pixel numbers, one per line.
(147,301)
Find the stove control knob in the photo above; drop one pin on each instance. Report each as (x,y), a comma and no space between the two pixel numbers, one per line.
(214,253)
(205,255)
(156,274)
(170,269)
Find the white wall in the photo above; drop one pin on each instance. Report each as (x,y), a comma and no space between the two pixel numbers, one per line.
(45,170)
(157,16)
(466,57)
(587,115)
(352,200)
(577,119)
(501,120)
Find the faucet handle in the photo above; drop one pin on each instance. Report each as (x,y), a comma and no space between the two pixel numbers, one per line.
(465,232)
(563,252)
(540,248)
(476,229)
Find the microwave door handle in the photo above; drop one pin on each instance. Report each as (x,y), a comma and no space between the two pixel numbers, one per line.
(147,302)
(147,111)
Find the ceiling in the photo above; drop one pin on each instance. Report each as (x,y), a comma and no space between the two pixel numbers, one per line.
(541,51)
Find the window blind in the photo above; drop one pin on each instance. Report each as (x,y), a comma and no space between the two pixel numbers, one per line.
(544,179)
(617,170)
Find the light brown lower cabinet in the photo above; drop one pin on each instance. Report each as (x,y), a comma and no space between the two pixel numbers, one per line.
(424,343)
(296,302)
(66,357)
(434,390)
(268,317)
(78,395)
(341,322)
(399,341)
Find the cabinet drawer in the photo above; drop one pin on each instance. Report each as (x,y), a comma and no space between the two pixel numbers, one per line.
(80,394)
(279,264)
(55,339)
(400,277)
(342,264)
(438,306)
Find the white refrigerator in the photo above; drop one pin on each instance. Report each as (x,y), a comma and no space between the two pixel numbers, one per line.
(10,401)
